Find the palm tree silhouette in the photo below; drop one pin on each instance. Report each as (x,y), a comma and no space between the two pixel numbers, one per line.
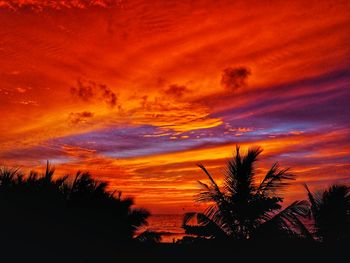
(42,208)
(330,210)
(243,209)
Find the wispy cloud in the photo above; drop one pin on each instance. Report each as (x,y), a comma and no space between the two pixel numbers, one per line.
(45,4)
(138,92)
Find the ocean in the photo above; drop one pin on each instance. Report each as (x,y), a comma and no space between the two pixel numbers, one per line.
(169,226)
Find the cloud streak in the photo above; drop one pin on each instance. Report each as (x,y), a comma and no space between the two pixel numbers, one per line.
(138,92)
(40,5)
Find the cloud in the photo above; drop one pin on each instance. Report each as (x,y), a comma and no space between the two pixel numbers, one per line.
(80,117)
(109,96)
(29,102)
(90,91)
(127,46)
(78,152)
(22,90)
(234,78)
(175,90)
(84,91)
(45,4)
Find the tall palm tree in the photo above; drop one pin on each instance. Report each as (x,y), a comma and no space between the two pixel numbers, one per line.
(330,211)
(242,208)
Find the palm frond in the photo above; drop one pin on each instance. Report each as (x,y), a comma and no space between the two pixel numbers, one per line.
(8,175)
(240,172)
(313,201)
(203,185)
(138,217)
(188,217)
(275,179)
(288,219)
(221,217)
(216,187)
(212,192)
(49,172)
(251,157)
(331,214)
(204,226)
(149,237)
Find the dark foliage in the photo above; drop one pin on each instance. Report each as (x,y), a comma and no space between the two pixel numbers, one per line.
(41,210)
(330,210)
(242,209)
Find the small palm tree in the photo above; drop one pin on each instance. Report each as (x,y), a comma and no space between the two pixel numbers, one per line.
(330,211)
(242,209)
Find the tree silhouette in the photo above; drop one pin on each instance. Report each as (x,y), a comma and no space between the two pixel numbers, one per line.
(242,209)
(330,210)
(41,209)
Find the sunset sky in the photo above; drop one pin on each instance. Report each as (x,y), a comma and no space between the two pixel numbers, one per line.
(139,92)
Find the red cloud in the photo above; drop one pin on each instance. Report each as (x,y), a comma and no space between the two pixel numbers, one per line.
(234,78)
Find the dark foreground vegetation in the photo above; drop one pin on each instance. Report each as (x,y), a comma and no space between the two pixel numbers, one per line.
(65,217)
(243,209)
(48,219)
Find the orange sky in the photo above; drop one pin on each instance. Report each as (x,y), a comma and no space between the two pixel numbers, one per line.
(138,92)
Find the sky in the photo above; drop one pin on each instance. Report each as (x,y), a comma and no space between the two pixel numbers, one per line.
(139,92)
